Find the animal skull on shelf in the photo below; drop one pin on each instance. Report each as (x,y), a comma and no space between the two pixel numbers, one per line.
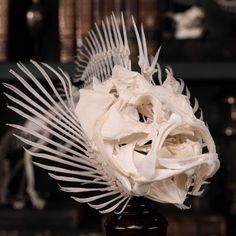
(189,24)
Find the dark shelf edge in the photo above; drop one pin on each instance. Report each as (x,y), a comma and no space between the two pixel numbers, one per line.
(204,70)
(186,70)
(5,75)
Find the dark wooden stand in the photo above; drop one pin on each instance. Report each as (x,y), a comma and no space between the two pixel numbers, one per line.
(140,218)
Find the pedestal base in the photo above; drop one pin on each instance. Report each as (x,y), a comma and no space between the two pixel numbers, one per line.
(140,218)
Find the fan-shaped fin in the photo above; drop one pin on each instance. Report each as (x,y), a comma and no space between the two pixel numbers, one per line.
(104,49)
(59,144)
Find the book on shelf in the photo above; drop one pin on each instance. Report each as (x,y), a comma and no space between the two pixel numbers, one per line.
(117,9)
(149,17)
(104,8)
(4,7)
(67,30)
(107,8)
(149,14)
(131,10)
(97,11)
(83,20)
(77,17)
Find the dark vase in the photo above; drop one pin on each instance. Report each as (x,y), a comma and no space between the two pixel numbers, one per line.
(140,218)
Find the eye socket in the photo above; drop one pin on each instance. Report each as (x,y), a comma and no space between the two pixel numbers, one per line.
(145,109)
(114,92)
(205,149)
(142,118)
(144,149)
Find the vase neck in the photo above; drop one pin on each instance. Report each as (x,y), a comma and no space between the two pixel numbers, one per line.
(140,217)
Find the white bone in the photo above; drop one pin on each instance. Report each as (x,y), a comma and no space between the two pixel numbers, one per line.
(128,135)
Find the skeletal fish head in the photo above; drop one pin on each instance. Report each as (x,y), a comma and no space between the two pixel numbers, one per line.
(147,136)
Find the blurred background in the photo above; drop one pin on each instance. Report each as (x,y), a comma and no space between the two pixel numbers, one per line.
(198,40)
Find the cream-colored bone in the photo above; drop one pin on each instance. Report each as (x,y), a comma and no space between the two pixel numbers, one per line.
(159,156)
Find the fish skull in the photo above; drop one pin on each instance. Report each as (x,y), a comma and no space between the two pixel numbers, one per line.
(147,136)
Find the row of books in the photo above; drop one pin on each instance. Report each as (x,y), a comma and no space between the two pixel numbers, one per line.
(4,4)
(66,22)
(77,17)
